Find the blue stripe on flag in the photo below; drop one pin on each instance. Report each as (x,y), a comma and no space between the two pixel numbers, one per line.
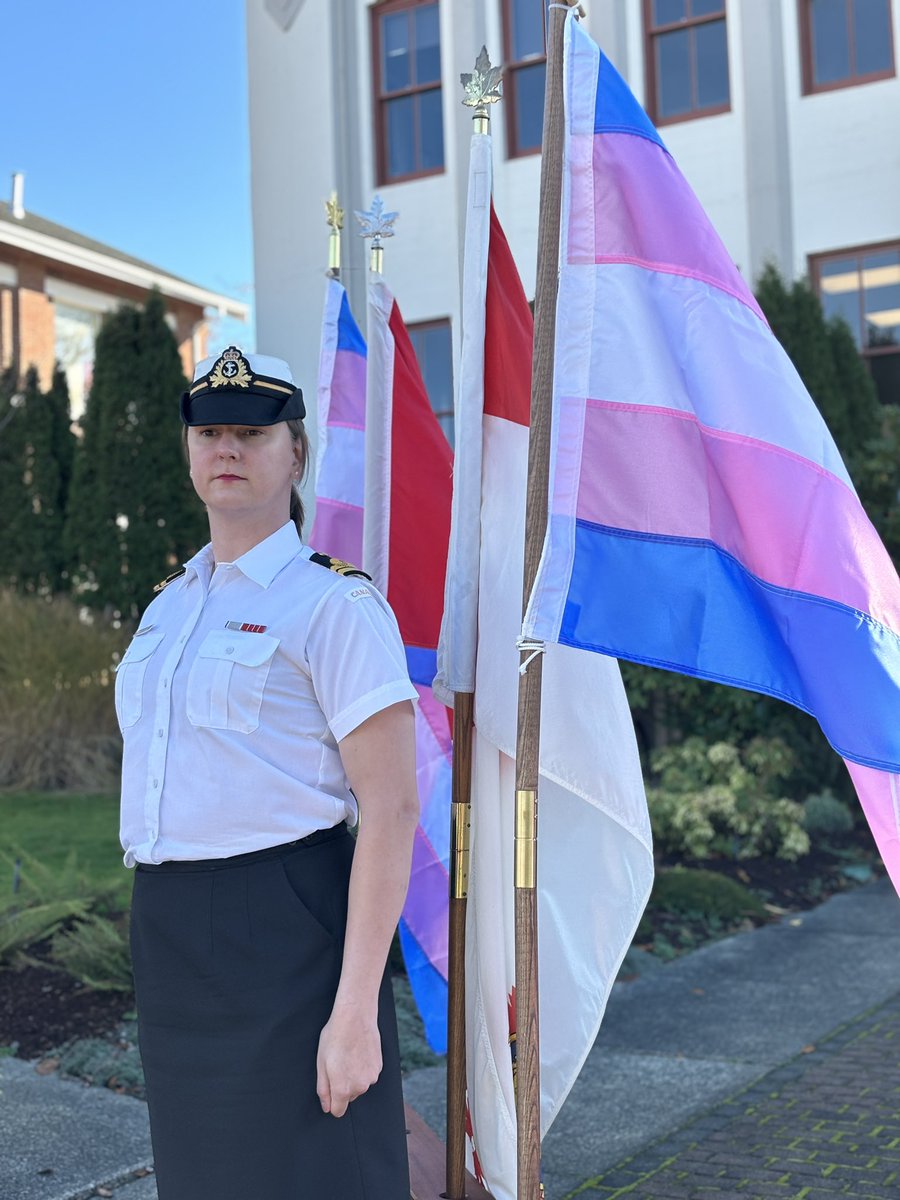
(429,989)
(349,337)
(421,664)
(689,606)
(616,110)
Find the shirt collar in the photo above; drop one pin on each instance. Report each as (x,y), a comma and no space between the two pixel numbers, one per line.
(261,563)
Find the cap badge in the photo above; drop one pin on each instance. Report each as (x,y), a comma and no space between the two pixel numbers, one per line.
(231,370)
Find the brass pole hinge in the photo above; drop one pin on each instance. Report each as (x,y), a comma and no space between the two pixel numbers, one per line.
(459,851)
(526,838)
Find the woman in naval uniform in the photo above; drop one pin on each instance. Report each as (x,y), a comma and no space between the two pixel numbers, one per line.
(265,703)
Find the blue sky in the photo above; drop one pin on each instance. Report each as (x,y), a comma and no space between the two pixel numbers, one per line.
(129,120)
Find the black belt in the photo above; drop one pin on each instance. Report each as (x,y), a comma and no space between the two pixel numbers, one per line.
(254,856)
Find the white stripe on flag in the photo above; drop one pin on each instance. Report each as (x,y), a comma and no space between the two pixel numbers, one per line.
(379,415)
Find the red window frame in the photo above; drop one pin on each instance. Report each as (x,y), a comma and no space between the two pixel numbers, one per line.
(652,33)
(510,71)
(815,262)
(810,87)
(381,98)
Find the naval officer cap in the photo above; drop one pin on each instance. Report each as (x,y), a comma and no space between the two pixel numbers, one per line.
(242,389)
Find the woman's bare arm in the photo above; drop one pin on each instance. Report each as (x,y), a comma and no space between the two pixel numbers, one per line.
(379,758)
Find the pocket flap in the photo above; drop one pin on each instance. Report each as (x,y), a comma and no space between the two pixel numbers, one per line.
(141,648)
(248,649)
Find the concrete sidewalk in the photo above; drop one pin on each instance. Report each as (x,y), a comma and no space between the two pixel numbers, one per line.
(767,1064)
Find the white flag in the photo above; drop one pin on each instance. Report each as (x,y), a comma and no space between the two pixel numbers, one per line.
(595,865)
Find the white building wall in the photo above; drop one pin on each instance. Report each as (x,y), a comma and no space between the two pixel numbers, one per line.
(781,175)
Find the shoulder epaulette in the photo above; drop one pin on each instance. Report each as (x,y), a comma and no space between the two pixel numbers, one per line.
(164,583)
(338,564)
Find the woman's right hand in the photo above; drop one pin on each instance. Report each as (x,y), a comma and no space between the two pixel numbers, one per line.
(349,1058)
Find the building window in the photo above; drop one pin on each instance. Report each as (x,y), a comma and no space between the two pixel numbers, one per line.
(863,286)
(409,134)
(434,349)
(845,42)
(687,59)
(525,51)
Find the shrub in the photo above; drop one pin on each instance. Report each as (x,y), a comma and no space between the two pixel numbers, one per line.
(22,927)
(44,902)
(704,894)
(826,816)
(95,950)
(57,714)
(718,799)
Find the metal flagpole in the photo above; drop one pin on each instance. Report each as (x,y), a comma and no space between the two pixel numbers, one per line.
(334,216)
(528,1083)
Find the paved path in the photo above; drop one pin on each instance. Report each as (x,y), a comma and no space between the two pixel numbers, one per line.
(826,1124)
(765,1065)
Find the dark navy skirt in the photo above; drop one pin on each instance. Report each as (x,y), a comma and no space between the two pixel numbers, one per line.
(236,965)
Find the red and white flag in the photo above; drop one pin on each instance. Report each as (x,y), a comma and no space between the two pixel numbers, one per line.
(406,527)
(595,865)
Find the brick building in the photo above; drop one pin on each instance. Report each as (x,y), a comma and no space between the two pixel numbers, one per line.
(56,285)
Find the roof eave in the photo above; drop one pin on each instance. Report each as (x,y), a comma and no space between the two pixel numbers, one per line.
(85,259)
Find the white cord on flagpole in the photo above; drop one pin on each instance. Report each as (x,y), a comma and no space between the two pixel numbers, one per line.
(522,643)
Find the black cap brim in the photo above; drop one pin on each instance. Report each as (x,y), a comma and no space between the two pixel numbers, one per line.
(245,407)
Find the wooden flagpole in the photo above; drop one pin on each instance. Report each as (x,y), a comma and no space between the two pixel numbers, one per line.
(431,1164)
(463,711)
(528,1081)
(481,91)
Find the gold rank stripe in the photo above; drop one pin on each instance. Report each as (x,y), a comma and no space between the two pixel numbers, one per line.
(257,383)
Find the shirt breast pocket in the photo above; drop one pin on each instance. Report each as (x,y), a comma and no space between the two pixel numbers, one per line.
(227,680)
(130,678)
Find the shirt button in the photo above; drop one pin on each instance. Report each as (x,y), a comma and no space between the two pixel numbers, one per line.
(229,649)
(165,683)
(156,783)
(159,733)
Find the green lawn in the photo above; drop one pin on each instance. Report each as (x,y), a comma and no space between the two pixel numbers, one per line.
(51,826)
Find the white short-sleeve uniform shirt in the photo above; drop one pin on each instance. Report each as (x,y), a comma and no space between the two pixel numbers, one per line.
(233,695)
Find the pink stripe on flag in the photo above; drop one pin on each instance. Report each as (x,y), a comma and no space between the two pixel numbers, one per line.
(426,914)
(348,390)
(338,530)
(790,522)
(878,795)
(645,213)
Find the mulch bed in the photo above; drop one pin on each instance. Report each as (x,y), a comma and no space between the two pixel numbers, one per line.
(41,1007)
(811,879)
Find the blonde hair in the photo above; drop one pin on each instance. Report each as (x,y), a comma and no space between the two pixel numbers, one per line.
(298,433)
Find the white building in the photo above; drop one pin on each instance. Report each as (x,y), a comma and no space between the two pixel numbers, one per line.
(783,114)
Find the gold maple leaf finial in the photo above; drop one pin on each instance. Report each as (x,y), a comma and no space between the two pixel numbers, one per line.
(334,214)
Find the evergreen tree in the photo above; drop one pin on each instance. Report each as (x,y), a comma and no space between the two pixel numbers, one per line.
(63,439)
(134,515)
(11,467)
(37,519)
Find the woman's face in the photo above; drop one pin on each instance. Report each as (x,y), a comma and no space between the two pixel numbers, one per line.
(245,470)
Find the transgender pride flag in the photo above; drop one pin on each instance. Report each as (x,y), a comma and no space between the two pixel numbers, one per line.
(412,577)
(338,525)
(701,518)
